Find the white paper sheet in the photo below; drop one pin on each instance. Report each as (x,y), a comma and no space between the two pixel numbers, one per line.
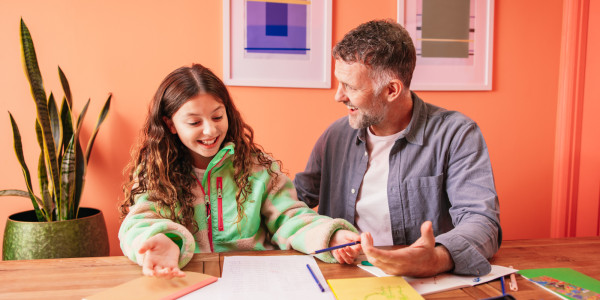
(266,277)
(445,281)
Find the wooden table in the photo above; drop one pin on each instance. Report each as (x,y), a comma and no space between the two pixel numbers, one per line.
(74,278)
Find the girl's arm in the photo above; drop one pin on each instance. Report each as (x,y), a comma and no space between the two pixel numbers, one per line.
(144,222)
(293,225)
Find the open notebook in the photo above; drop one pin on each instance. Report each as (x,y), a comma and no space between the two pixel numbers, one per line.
(445,281)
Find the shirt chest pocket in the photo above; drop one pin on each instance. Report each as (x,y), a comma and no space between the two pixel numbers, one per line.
(425,198)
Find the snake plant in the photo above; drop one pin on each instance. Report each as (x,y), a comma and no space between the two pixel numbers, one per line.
(62,164)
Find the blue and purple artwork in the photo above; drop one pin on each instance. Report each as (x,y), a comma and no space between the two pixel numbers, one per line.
(276,27)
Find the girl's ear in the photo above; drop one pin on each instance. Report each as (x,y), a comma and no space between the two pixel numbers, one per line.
(170,124)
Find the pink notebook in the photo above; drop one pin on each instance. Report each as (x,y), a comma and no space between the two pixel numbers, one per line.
(156,288)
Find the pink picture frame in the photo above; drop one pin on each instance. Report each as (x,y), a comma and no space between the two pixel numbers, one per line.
(448,73)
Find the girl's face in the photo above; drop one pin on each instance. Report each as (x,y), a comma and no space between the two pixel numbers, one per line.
(201,124)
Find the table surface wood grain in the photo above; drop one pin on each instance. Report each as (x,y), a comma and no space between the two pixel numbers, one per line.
(74,278)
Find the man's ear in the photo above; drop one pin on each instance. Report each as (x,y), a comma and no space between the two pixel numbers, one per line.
(394,89)
(170,124)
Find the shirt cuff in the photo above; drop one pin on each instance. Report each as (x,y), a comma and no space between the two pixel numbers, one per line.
(467,260)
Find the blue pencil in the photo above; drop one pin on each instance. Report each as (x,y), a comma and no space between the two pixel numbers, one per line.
(502,284)
(315,277)
(336,247)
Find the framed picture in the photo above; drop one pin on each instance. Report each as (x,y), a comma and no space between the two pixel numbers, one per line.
(454,43)
(277,43)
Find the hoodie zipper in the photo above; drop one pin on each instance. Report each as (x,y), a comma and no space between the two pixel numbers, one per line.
(207,202)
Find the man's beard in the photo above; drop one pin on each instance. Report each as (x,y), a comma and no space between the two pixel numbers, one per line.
(373,115)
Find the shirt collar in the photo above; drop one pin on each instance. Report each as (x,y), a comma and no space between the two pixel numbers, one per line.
(228,149)
(415,131)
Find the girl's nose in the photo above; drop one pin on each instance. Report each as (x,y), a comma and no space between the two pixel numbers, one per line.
(208,129)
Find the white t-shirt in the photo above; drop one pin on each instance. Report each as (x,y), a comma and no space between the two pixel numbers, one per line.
(372,210)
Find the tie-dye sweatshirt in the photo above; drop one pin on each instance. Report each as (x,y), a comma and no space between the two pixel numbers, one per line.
(273,217)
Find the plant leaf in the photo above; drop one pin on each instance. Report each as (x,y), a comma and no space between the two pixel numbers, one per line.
(54,121)
(19,152)
(67,124)
(82,114)
(65,85)
(101,119)
(80,170)
(17,193)
(45,188)
(67,177)
(37,90)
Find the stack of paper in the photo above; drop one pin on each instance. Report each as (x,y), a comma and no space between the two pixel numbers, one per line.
(266,277)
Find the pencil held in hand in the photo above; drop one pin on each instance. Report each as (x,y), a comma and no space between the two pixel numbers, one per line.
(335,247)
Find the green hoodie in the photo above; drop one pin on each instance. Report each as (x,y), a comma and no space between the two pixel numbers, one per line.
(273,217)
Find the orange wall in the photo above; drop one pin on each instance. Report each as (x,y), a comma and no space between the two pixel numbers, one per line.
(127,48)
(588,209)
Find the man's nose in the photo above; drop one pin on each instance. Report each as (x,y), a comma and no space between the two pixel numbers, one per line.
(340,95)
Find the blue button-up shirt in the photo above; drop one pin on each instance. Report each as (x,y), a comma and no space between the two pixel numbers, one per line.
(439,171)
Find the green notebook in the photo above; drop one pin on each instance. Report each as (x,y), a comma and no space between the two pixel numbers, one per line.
(564,282)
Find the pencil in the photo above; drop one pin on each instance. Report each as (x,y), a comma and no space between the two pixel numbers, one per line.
(335,247)
(315,277)
(502,284)
(512,284)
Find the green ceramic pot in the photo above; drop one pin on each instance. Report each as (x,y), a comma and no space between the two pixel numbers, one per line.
(26,238)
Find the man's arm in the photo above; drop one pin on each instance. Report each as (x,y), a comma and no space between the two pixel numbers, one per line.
(308,183)
(474,210)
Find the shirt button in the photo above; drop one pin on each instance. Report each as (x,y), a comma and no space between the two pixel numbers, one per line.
(366,153)
(353,191)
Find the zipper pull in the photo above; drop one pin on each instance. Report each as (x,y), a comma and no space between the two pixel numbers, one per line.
(220,202)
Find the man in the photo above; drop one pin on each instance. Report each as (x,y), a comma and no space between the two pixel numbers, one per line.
(405,172)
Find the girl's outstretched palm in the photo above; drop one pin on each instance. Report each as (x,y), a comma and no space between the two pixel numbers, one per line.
(161,257)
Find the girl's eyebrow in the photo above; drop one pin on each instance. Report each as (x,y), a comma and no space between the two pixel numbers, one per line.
(221,106)
(193,114)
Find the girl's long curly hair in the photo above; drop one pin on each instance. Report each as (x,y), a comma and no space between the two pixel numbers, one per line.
(161,165)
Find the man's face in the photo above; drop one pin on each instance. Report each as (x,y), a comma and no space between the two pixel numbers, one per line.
(357,91)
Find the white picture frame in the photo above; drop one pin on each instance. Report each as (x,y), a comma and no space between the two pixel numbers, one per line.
(453,74)
(243,67)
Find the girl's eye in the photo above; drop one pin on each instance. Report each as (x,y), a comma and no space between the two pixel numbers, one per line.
(218,118)
(194,123)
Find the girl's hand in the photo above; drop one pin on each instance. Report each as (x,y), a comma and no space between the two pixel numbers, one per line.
(346,254)
(161,257)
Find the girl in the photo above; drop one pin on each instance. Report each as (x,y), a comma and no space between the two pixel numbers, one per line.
(198,183)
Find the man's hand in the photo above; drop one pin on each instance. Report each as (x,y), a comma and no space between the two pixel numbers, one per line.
(421,259)
(346,254)
(161,257)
